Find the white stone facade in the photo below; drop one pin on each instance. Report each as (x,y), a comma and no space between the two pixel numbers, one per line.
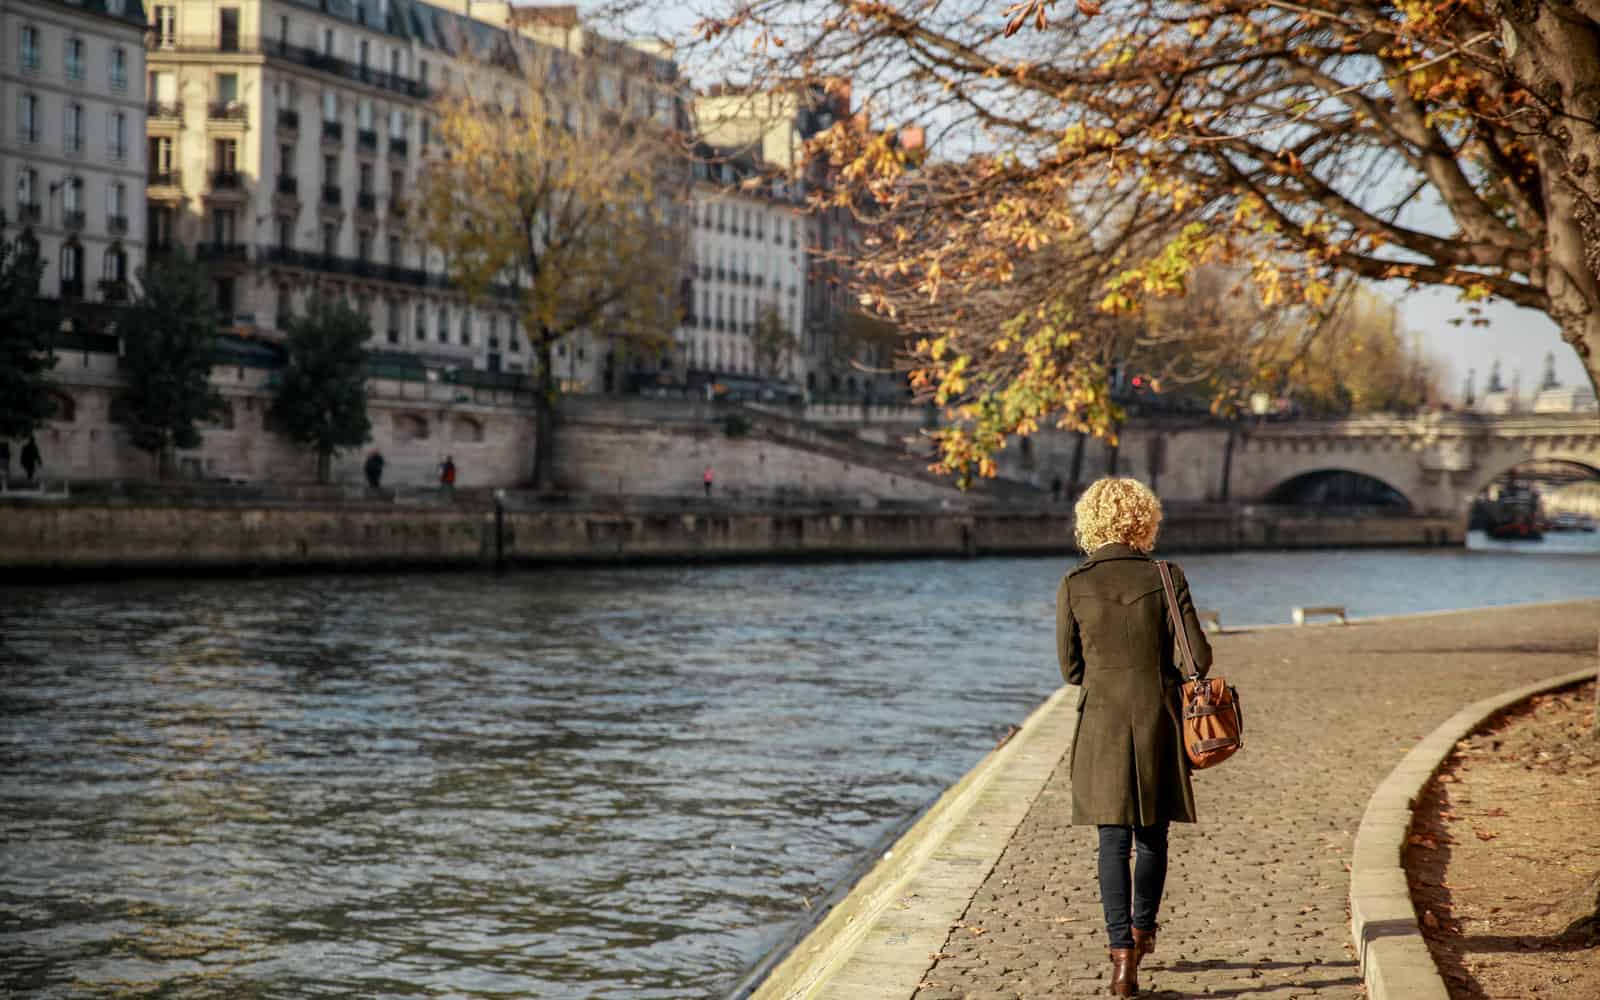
(72,114)
(286,135)
(748,258)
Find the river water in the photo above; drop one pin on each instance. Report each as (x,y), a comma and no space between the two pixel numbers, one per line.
(576,783)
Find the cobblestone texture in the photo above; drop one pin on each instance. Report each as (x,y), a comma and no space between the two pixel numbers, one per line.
(1256,901)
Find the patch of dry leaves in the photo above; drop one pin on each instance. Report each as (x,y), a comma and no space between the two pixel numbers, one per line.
(1504,855)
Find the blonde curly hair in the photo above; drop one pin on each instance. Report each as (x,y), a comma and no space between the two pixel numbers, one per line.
(1115,509)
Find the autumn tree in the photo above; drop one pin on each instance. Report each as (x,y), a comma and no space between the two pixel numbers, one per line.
(772,343)
(321,397)
(169,338)
(563,207)
(1441,142)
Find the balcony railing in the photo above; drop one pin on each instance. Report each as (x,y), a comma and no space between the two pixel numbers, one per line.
(366,201)
(300,55)
(366,138)
(288,185)
(289,118)
(72,220)
(332,131)
(29,214)
(72,290)
(226,180)
(331,195)
(223,252)
(117,225)
(227,111)
(397,207)
(398,146)
(113,290)
(163,109)
(335,264)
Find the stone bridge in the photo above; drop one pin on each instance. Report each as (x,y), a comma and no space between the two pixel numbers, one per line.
(1438,462)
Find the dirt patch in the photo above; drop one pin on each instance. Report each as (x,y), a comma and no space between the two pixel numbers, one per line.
(1504,855)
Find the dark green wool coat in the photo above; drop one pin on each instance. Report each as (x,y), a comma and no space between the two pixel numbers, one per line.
(1114,638)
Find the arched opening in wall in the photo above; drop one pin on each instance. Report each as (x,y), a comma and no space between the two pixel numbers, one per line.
(1553,502)
(63,408)
(410,427)
(466,430)
(1339,488)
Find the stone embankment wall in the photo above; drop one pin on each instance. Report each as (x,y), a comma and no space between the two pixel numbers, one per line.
(39,538)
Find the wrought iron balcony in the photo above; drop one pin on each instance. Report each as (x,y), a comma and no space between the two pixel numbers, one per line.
(331,195)
(227,111)
(223,252)
(288,185)
(163,109)
(289,118)
(366,138)
(366,201)
(29,214)
(297,54)
(398,146)
(226,180)
(113,290)
(72,220)
(117,225)
(165,178)
(72,290)
(332,131)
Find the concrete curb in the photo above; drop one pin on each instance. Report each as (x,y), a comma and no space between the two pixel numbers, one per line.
(881,939)
(1395,962)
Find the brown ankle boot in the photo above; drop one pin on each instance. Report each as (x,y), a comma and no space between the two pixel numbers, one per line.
(1124,972)
(1144,942)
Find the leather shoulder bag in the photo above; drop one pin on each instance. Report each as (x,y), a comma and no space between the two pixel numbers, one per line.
(1213,722)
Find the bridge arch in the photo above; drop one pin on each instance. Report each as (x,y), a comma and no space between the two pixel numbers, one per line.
(1488,475)
(1337,487)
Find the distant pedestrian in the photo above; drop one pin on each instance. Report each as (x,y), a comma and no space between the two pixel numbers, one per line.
(447,474)
(5,459)
(374,468)
(1130,777)
(707,479)
(30,458)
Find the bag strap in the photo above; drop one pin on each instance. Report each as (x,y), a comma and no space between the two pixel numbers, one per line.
(1177,621)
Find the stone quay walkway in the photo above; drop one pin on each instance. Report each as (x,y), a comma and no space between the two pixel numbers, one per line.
(1257,894)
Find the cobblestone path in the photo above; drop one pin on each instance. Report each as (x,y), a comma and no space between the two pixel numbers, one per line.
(1256,900)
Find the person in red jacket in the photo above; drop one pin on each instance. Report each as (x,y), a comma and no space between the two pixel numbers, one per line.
(447,474)
(707,479)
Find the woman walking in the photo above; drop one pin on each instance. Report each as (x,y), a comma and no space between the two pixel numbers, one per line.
(1130,777)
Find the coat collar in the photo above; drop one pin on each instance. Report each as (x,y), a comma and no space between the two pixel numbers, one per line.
(1113,550)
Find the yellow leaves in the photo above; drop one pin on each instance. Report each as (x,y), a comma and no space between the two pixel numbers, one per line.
(1199,26)
(1317,292)
(1476,292)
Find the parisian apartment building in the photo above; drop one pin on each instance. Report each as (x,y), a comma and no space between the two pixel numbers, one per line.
(284,137)
(72,111)
(746,223)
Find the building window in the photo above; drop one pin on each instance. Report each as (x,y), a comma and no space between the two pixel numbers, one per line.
(27,185)
(330,239)
(364,178)
(72,196)
(286,160)
(28,48)
(283,29)
(160,152)
(328,40)
(71,264)
(115,7)
(74,65)
(119,68)
(72,140)
(364,245)
(227,156)
(28,118)
(166,26)
(224,292)
(444,325)
(114,267)
(117,200)
(330,106)
(285,231)
(222,227)
(330,169)
(228,29)
(117,135)
(466,329)
(362,52)
(228,89)
(394,251)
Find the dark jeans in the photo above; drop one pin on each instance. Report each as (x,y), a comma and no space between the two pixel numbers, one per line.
(1148,879)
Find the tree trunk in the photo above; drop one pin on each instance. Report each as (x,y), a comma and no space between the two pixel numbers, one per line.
(324,467)
(544,408)
(1554,56)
